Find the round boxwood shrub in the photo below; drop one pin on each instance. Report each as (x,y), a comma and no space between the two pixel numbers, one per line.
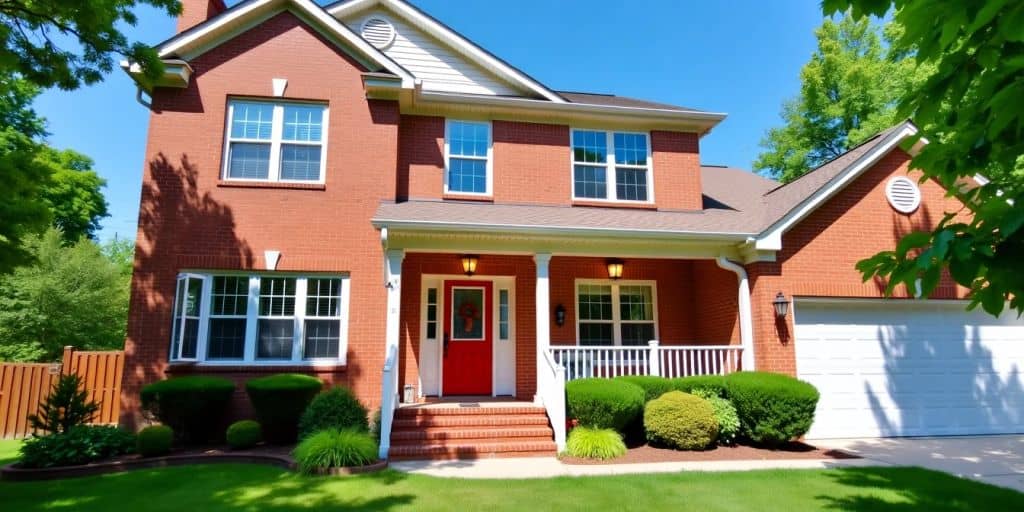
(279,401)
(773,408)
(725,414)
(335,408)
(595,443)
(680,420)
(604,403)
(653,386)
(80,444)
(333,448)
(194,407)
(713,383)
(244,434)
(154,440)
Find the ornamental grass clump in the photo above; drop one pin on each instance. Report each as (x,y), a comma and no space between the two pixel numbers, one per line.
(595,443)
(333,448)
(279,401)
(680,420)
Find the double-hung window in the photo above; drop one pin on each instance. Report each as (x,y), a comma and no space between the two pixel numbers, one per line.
(276,141)
(467,158)
(265,318)
(611,166)
(615,313)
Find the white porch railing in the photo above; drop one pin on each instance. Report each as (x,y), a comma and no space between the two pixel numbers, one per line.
(389,399)
(551,391)
(665,361)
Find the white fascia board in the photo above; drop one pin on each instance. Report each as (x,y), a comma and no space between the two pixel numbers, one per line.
(556,230)
(238,14)
(452,39)
(771,238)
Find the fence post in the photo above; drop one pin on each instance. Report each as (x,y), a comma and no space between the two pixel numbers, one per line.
(654,360)
(65,362)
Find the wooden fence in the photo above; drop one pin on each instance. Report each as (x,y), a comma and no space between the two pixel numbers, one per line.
(23,386)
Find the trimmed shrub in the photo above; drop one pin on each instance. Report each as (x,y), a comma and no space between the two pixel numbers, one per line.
(773,408)
(80,444)
(653,386)
(713,383)
(604,403)
(595,443)
(334,448)
(680,420)
(244,434)
(336,408)
(155,440)
(194,406)
(279,401)
(725,414)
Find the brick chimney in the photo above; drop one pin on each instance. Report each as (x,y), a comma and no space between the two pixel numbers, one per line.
(194,12)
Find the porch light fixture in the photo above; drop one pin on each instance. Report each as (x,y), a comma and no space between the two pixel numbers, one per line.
(614,269)
(469,262)
(559,315)
(781,305)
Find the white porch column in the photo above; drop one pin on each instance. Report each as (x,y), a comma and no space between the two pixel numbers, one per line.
(746,317)
(393,282)
(543,329)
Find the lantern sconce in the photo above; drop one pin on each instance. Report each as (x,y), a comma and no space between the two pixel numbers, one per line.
(781,305)
(469,262)
(614,269)
(559,315)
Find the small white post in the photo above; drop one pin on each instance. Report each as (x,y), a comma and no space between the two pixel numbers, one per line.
(654,359)
(543,302)
(389,383)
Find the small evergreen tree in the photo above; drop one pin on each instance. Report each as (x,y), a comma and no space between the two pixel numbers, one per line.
(67,406)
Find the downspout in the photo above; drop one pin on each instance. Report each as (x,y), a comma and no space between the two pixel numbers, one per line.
(746,318)
(138,98)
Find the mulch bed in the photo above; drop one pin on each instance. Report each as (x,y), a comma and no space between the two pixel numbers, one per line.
(646,453)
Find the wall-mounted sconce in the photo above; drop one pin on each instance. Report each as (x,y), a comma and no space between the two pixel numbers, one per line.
(559,315)
(781,305)
(614,269)
(469,262)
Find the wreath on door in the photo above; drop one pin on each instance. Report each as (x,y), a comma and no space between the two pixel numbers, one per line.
(468,313)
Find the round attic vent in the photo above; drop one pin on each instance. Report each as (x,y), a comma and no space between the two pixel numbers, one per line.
(903,194)
(379,32)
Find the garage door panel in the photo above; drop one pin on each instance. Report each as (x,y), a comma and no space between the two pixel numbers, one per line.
(896,368)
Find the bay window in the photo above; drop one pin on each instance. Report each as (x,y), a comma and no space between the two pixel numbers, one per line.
(616,312)
(611,166)
(274,141)
(260,319)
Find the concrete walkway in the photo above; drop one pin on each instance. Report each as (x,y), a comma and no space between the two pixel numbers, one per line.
(997,460)
(547,467)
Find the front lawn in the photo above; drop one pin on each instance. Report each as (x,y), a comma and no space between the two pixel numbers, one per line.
(251,488)
(9,451)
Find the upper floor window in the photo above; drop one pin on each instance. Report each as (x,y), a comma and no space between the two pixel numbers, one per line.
(276,141)
(611,166)
(467,158)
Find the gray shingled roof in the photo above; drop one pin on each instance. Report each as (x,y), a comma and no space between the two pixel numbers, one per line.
(619,101)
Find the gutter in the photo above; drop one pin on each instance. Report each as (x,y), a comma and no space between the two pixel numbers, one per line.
(746,316)
(544,230)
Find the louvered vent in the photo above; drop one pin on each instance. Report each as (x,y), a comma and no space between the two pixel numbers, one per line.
(903,194)
(379,32)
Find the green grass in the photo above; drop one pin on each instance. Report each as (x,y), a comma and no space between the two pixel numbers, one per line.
(9,451)
(252,488)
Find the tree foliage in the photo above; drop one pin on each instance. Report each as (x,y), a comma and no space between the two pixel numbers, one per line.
(72,295)
(849,91)
(970,109)
(73,193)
(67,44)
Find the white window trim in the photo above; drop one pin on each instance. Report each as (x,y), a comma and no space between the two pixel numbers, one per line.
(616,320)
(276,136)
(252,316)
(489,158)
(610,176)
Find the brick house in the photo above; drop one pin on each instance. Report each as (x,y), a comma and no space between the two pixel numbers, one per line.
(358,192)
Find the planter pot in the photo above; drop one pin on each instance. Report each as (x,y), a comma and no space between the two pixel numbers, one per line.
(353,470)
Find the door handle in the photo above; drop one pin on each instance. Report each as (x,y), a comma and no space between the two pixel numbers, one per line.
(446,340)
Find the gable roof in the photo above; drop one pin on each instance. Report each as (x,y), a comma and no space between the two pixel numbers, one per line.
(453,39)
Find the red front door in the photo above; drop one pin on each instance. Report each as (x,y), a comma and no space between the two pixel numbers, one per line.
(467,338)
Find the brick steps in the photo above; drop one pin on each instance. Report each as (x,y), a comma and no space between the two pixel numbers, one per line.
(458,432)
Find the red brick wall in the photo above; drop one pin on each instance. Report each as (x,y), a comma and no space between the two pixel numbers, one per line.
(190,220)
(716,294)
(531,163)
(420,157)
(819,253)
(194,12)
(676,158)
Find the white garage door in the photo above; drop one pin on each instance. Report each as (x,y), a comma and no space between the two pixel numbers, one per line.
(902,368)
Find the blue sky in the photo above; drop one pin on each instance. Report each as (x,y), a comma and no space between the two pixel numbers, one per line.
(738,57)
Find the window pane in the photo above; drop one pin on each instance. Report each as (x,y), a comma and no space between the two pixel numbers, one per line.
(303,123)
(636,303)
(596,334)
(248,161)
(323,297)
(190,341)
(468,139)
(300,162)
(274,339)
(503,314)
(637,334)
(227,338)
(589,147)
(432,313)
(277,296)
(322,338)
(230,295)
(590,182)
(467,175)
(631,184)
(595,302)
(251,120)
(467,314)
(630,148)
